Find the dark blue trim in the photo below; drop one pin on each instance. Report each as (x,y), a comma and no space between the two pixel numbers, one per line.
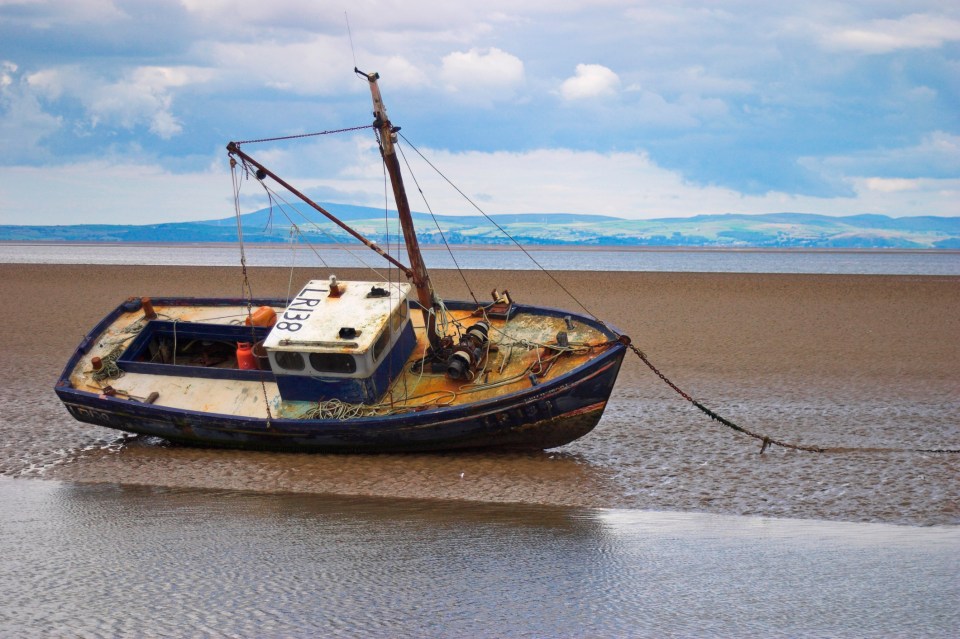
(112,316)
(131,360)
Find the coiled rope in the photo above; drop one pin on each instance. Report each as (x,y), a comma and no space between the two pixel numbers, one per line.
(109,368)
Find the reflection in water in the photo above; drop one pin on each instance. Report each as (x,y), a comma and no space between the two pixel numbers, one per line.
(551,477)
(109,560)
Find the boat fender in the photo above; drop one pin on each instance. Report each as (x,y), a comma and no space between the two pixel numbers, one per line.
(245,358)
(263,316)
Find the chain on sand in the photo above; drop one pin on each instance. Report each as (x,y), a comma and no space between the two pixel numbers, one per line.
(766,440)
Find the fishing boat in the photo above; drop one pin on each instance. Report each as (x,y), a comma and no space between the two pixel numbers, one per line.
(346,366)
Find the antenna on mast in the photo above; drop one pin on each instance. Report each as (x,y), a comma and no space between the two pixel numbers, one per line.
(350,36)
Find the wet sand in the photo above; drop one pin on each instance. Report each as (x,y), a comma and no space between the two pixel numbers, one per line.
(867,362)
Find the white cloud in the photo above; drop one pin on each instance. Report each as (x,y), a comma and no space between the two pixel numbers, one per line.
(142,96)
(916,31)
(489,74)
(697,79)
(621,184)
(937,154)
(45,14)
(890,185)
(23,122)
(109,192)
(314,66)
(590,81)
(895,196)
(7,69)
(545,180)
(773,84)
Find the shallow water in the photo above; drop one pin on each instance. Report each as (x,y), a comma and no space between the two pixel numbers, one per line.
(112,561)
(858,262)
(651,451)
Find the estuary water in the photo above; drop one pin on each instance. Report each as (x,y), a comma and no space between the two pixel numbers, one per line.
(128,561)
(859,262)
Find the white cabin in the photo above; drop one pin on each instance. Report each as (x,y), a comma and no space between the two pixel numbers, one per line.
(343,340)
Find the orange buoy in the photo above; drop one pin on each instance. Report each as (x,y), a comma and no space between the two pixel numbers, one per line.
(245,358)
(263,316)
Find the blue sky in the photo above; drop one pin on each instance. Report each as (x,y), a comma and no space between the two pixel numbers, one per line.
(118,111)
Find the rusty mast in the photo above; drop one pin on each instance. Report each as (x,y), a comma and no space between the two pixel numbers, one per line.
(418,275)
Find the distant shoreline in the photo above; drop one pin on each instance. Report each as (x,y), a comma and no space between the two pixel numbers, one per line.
(530,248)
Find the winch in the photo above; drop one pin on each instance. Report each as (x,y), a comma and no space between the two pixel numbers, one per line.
(469,353)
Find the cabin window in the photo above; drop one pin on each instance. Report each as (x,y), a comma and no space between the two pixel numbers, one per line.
(381,343)
(333,363)
(398,316)
(290,361)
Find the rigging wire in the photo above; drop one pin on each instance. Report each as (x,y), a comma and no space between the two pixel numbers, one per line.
(304,135)
(293,259)
(247,289)
(437,223)
(350,36)
(273,197)
(500,228)
(386,237)
(317,227)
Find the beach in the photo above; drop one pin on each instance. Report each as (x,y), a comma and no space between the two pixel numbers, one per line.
(659,523)
(865,363)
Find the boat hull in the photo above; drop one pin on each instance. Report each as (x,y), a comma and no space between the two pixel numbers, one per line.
(544,415)
(549,416)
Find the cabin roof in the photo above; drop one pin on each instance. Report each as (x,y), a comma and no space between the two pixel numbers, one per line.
(346,317)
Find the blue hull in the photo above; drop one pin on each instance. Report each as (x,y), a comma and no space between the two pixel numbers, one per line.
(542,416)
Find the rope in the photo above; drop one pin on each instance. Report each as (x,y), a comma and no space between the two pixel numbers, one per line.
(246,288)
(443,237)
(306,135)
(499,228)
(306,240)
(110,369)
(766,440)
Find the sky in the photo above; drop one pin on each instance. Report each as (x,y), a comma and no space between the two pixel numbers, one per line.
(119,111)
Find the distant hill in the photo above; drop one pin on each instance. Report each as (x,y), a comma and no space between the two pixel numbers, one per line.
(731,230)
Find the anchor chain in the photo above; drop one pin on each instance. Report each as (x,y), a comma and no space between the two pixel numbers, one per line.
(767,441)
